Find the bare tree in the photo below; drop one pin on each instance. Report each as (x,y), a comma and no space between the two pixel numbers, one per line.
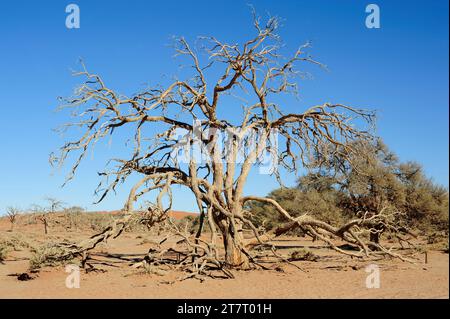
(12,214)
(189,115)
(44,218)
(47,213)
(54,204)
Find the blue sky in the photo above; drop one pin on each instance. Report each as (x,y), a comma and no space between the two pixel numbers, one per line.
(401,70)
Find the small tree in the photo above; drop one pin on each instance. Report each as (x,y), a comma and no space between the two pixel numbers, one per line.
(12,214)
(47,213)
(54,204)
(44,218)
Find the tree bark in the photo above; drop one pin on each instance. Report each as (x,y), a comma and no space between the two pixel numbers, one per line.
(233,244)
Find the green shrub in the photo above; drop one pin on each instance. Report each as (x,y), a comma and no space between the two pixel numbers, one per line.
(15,242)
(49,254)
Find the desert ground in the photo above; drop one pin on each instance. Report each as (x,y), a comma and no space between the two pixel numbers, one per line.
(331,276)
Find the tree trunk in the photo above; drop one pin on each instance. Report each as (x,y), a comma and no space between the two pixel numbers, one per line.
(233,243)
(45,227)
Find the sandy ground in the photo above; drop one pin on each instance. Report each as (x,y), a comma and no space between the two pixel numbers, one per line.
(332,277)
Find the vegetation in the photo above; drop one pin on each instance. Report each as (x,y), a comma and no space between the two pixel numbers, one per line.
(304,255)
(50,254)
(375,179)
(47,214)
(164,121)
(12,213)
(3,252)
(12,242)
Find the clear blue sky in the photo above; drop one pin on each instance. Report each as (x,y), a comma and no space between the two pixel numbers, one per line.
(401,70)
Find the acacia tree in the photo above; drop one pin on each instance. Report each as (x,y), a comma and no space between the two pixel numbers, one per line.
(46,214)
(256,72)
(12,214)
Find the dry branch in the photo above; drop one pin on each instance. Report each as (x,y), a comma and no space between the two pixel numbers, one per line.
(255,70)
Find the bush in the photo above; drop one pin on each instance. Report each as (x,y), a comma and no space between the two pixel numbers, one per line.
(49,254)
(15,242)
(12,243)
(4,250)
(374,178)
(304,255)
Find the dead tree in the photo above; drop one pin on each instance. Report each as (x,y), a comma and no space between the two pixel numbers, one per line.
(54,204)
(44,218)
(12,214)
(188,116)
(46,214)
